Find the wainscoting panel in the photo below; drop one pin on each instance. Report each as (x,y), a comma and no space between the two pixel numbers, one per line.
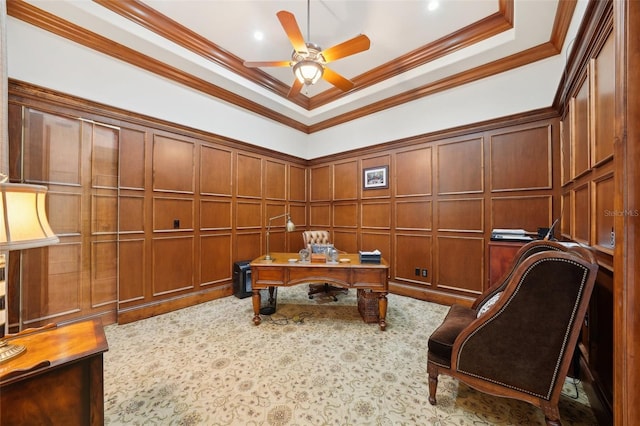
(451,157)
(171,155)
(104,269)
(345,215)
(580,140)
(526,212)
(215,214)
(376,215)
(172,263)
(345,181)
(216,254)
(414,215)
(131,213)
(297,183)
(413,170)
(461,215)
(70,206)
(216,165)
(510,150)
(413,253)
(104,218)
(248,214)
(131,275)
(172,214)
(461,264)
(132,158)
(320,216)
(248,175)
(275,180)
(320,183)
(581,217)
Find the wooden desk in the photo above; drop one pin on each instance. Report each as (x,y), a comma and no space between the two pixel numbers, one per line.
(279,272)
(58,380)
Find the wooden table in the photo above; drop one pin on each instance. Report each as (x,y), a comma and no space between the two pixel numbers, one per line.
(279,272)
(58,380)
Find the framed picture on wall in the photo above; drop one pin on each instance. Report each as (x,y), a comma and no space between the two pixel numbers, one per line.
(376,177)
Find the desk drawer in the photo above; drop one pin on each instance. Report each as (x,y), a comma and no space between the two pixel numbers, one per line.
(273,275)
(373,279)
(339,276)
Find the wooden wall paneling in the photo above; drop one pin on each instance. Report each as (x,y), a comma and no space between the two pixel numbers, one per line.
(131,213)
(52,285)
(65,210)
(460,264)
(510,150)
(248,214)
(374,240)
(345,240)
(319,216)
(522,212)
(215,214)
(298,212)
(581,213)
(248,246)
(132,280)
(376,215)
(320,182)
(104,212)
(580,142)
(104,273)
(413,215)
(565,151)
(216,259)
(603,216)
(413,253)
(461,215)
(454,156)
(173,214)
(566,221)
(275,180)
(132,159)
(377,161)
(602,71)
(248,175)
(52,149)
(345,180)
(297,183)
(216,170)
(172,264)
(104,156)
(413,172)
(173,164)
(345,215)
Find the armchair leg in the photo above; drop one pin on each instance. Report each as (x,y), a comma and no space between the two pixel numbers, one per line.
(551,414)
(432,370)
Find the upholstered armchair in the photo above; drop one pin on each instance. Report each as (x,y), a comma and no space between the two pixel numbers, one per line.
(518,339)
(318,241)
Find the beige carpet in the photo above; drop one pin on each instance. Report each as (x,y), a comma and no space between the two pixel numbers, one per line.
(314,362)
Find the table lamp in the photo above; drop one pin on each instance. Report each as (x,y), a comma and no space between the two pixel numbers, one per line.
(23,225)
(290,228)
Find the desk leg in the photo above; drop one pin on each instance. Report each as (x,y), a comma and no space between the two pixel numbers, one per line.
(256,307)
(382,310)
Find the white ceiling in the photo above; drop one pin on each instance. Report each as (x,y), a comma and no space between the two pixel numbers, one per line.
(395,28)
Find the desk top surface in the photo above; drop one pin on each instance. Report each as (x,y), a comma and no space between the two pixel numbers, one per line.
(55,346)
(345,260)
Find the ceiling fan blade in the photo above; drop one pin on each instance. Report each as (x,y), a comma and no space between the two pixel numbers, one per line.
(337,80)
(355,45)
(290,25)
(256,64)
(295,88)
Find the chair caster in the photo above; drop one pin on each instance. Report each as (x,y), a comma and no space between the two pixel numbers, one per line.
(311,297)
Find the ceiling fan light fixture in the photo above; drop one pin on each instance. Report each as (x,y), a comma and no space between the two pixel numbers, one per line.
(308,72)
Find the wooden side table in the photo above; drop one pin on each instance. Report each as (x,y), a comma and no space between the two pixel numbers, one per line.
(58,380)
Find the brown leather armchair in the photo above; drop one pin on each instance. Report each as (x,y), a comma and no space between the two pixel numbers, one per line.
(518,339)
(316,238)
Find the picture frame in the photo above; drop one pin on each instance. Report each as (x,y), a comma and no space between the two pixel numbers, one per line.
(375,177)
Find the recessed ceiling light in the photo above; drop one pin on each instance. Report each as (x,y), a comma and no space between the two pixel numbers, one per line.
(258,35)
(433,5)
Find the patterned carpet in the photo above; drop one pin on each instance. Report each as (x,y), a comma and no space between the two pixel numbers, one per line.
(314,362)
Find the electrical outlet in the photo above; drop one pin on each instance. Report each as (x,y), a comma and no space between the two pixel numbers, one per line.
(417,272)
(176,223)
(424,273)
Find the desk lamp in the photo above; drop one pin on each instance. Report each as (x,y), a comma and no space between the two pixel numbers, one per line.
(290,228)
(23,225)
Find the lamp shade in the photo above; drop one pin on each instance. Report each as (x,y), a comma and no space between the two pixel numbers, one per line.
(23,219)
(308,72)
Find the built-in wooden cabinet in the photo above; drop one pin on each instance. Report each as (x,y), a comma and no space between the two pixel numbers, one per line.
(587,195)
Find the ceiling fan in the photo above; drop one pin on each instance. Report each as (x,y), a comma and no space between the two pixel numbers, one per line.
(308,60)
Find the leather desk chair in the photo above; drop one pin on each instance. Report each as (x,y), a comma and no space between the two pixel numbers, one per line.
(320,241)
(518,340)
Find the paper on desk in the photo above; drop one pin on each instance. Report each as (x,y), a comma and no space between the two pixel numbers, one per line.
(376,251)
